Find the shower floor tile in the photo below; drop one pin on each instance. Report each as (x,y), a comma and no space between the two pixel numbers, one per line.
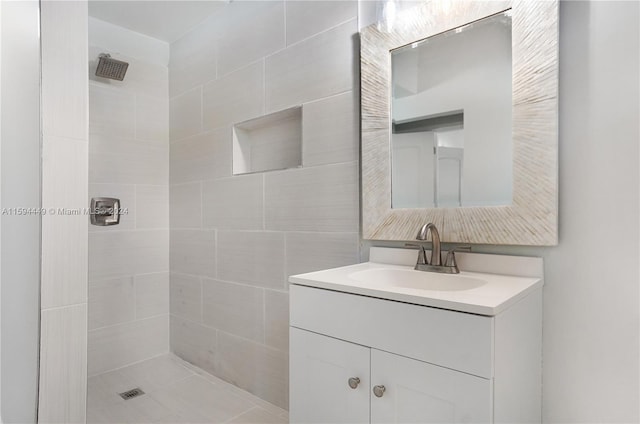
(175,392)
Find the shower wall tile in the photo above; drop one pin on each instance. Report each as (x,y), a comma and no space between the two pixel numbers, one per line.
(147,79)
(127,161)
(193,59)
(254,367)
(306,18)
(194,343)
(120,345)
(235,97)
(313,199)
(234,203)
(64,85)
(239,46)
(194,252)
(151,206)
(111,302)
(328,250)
(121,253)
(152,294)
(152,119)
(127,195)
(318,67)
(186,297)
(202,157)
(330,130)
(276,316)
(234,308)
(256,226)
(64,90)
(186,205)
(64,259)
(63,365)
(185,114)
(111,111)
(255,258)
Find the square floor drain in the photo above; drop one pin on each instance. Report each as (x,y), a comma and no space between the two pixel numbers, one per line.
(130,394)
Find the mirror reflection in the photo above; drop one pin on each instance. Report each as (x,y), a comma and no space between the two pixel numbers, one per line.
(451,141)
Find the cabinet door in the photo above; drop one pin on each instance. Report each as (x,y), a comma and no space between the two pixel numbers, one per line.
(418,392)
(320,369)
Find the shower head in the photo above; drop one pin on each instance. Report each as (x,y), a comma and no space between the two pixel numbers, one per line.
(111,68)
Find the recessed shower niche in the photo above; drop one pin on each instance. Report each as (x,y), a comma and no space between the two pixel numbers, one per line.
(268,143)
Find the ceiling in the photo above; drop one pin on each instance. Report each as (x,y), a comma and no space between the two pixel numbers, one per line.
(160,19)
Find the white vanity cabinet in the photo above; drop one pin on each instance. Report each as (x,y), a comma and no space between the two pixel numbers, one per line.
(333,382)
(436,365)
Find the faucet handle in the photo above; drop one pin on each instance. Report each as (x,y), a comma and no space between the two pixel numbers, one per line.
(450,260)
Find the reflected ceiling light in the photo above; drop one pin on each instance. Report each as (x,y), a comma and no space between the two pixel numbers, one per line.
(387,13)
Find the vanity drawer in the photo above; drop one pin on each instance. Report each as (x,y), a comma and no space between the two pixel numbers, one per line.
(450,339)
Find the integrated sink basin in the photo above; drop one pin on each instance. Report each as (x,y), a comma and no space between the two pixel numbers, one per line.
(411,279)
(486,285)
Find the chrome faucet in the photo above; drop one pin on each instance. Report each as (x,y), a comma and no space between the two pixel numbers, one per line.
(435,264)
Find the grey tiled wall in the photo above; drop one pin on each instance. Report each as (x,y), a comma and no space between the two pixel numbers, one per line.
(129,263)
(236,239)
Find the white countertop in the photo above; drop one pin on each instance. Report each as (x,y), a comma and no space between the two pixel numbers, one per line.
(496,295)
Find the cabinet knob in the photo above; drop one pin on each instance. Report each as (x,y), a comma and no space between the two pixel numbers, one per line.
(353,382)
(379,390)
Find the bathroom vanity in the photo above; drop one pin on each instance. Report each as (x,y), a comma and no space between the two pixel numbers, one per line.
(378,342)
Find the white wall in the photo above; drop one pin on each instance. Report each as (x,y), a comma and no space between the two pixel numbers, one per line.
(129,160)
(20,187)
(592,297)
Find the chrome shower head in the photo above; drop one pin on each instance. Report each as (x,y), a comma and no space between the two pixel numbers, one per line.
(111,68)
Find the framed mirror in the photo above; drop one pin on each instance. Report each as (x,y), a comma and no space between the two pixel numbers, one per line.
(459,122)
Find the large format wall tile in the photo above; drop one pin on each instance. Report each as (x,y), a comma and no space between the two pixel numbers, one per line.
(186,205)
(111,302)
(202,157)
(318,67)
(127,161)
(151,206)
(186,297)
(255,258)
(63,365)
(120,253)
(152,119)
(193,60)
(64,83)
(328,250)
(185,114)
(330,130)
(194,343)
(112,111)
(254,367)
(306,18)
(313,199)
(194,252)
(152,294)
(276,316)
(233,203)
(119,345)
(234,98)
(239,46)
(64,258)
(234,308)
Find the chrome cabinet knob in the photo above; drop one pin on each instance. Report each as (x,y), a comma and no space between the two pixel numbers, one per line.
(353,382)
(379,390)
